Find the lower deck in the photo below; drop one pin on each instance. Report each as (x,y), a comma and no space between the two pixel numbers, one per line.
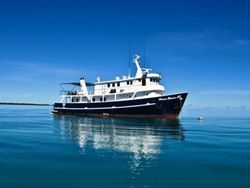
(74,97)
(168,106)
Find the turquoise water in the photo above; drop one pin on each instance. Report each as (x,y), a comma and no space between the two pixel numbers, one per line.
(38,149)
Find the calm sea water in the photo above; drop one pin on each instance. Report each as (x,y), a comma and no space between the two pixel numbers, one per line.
(38,149)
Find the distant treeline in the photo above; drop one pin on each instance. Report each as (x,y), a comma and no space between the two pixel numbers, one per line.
(31,104)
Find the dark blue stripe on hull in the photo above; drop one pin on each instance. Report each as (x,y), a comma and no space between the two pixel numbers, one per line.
(165,106)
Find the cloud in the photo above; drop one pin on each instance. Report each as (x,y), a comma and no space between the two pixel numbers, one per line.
(30,72)
(197,41)
(226,92)
(241,42)
(40,68)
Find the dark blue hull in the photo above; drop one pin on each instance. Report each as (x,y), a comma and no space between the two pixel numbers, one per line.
(168,106)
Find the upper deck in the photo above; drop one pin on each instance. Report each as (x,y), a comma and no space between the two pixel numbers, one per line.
(146,83)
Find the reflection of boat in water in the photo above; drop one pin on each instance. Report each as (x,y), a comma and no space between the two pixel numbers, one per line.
(140,137)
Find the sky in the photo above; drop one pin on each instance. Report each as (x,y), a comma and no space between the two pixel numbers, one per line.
(200,47)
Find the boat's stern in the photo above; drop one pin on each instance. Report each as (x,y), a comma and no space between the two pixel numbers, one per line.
(56,108)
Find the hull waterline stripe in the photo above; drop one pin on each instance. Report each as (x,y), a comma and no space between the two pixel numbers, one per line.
(104,108)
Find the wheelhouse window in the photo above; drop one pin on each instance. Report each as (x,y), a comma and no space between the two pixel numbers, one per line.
(108,84)
(118,84)
(127,82)
(154,80)
(113,85)
(93,99)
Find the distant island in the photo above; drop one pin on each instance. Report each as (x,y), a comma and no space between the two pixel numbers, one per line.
(30,104)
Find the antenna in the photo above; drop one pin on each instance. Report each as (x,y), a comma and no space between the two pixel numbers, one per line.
(129,57)
(144,54)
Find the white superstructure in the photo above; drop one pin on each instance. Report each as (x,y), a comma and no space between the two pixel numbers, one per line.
(144,85)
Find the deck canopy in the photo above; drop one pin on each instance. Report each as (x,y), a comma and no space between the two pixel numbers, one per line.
(78,83)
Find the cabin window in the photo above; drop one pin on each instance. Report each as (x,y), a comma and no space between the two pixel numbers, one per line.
(113,85)
(118,84)
(93,99)
(127,82)
(75,99)
(104,98)
(131,82)
(113,91)
(101,99)
(151,80)
(139,80)
(108,84)
(143,82)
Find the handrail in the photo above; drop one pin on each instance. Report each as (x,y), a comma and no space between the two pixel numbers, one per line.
(122,86)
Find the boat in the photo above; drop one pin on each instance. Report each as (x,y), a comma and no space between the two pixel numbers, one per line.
(141,96)
(200,118)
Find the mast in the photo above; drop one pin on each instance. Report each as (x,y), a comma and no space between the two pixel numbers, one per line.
(139,71)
